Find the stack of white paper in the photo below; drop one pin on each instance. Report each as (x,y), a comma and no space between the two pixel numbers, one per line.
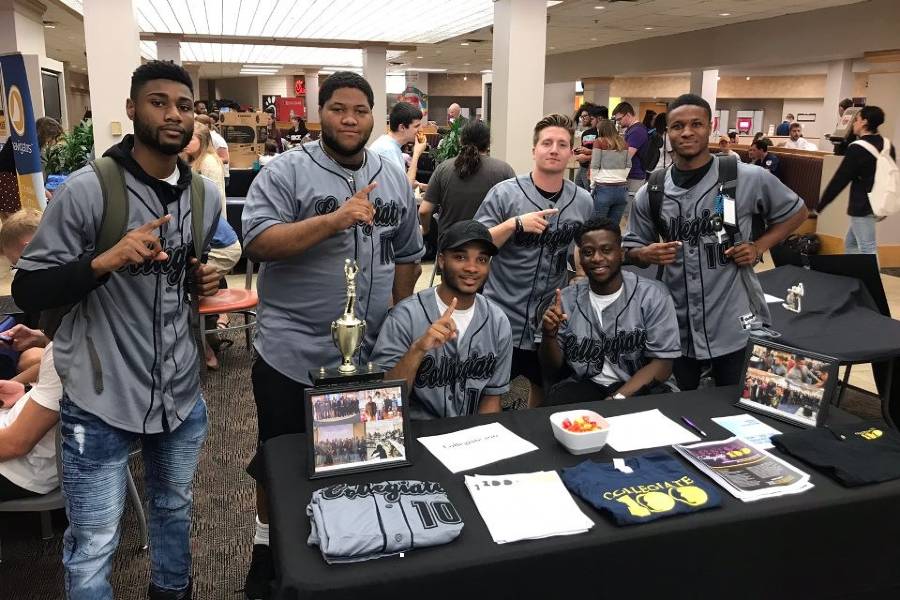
(526,506)
(748,428)
(647,429)
(476,446)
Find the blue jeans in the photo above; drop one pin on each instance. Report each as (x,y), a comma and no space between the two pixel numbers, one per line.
(94,457)
(861,236)
(610,201)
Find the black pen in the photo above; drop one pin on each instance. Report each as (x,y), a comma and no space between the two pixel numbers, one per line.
(690,424)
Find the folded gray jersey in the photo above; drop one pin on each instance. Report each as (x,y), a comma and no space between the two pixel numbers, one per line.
(352,523)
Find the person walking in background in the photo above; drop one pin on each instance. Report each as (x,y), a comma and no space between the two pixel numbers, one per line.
(784,128)
(661,125)
(583,151)
(610,164)
(582,121)
(457,187)
(218,142)
(858,170)
(201,155)
(48,133)
(637,137)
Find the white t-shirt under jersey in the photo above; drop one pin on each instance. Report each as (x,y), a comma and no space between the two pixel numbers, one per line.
(461,317)
(36,471)
(607,375)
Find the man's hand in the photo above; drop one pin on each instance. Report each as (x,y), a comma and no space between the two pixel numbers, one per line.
(137,247)
(356,209)
(660,253)
(441,331)
(205,278)
(536,222)
(10,392)
(744,255)
(554,317)
(419,146)
(24,338)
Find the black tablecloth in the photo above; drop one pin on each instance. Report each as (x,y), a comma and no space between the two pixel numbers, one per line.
(239,181)
(828,542)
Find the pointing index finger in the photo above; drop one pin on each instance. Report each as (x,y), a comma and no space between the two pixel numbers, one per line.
(559,298)
(547,211)
(449,312)
(154,224)
(365,191)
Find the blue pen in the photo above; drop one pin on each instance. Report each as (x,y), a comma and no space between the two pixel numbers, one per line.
(690,424)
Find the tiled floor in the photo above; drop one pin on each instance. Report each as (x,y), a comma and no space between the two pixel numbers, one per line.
(861,375)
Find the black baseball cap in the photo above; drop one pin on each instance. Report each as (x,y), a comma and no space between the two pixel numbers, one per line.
(463,232)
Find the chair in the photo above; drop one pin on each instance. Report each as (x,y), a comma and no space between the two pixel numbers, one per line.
(54,500)
(232,300)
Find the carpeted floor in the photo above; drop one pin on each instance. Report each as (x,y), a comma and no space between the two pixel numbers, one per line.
(223,504)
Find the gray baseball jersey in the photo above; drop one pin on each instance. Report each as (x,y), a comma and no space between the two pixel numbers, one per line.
(300,296)
(352,523)
(640,325)
(452,379)
(530,266)
(138,321)
(710,293)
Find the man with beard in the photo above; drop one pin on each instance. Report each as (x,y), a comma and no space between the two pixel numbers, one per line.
(533,219)
(308,211)
(616,333)
(126,348)
(716,293)
(451,345)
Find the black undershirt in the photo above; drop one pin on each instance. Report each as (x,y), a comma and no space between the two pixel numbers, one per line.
(688,179)
(552,196)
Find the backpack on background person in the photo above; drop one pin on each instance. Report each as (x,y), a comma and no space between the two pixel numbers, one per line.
(650,152)
(885,195)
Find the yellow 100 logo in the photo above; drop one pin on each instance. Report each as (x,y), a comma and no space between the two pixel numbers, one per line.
(645,500)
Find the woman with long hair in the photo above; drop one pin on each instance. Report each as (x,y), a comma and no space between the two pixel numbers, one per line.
(201,155)
(459,186)
(610,164)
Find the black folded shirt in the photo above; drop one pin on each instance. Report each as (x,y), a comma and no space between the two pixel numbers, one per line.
(868,452)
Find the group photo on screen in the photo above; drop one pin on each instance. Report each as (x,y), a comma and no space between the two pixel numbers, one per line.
(785,383)
(359,427)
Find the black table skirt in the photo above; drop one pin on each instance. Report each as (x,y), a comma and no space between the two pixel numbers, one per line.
(828,542)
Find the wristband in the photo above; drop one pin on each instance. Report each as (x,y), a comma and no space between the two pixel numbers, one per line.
(519,227)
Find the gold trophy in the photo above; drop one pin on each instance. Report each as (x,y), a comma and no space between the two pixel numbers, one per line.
(348,333)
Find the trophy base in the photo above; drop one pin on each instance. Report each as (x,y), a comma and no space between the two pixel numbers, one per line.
(334,376)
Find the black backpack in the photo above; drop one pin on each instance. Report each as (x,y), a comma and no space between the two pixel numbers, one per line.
(727,181)
(651,151)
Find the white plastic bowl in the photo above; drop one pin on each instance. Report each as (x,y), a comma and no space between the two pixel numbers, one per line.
(576,442)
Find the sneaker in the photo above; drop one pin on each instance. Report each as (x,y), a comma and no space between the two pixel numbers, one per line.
(257,585)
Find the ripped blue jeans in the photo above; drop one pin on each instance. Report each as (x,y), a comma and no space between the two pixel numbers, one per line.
(94,457)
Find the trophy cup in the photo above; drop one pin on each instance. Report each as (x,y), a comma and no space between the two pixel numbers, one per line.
(348,333)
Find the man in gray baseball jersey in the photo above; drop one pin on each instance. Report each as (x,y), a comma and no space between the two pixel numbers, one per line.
(125,351)
(533,219)
(317,205)
(711,280)
(452,345)
(616,333)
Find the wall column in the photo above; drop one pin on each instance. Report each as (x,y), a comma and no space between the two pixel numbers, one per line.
(110,25)
(706,84)
(838,85)
(520,46)
(311,79)
(375,72)
(596,90)
(168,49)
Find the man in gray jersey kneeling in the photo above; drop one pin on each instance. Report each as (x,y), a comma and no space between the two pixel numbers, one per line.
(615,333)
(452,345)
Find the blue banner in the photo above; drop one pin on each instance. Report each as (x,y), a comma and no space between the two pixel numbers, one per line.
(22,130)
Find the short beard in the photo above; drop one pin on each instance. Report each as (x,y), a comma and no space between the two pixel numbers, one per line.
(333,145)
(150,138)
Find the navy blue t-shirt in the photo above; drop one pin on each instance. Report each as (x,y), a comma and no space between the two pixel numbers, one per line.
(659,486)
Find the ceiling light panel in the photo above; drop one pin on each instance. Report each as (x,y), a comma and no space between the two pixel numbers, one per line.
(247,54)
(350,20)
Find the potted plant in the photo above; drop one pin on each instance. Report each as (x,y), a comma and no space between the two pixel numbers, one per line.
(70,153)
(450,145)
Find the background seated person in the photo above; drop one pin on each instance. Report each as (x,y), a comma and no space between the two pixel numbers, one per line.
(15,234)
(27,437)
(452,345)
(797,141)
(760,156)
(611,335)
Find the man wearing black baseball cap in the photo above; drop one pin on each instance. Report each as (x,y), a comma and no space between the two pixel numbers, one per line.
(452,345)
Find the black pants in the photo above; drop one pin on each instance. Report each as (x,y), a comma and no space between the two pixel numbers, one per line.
(726,370)
(10,491)
(280,407)
(572,392)
(526,362)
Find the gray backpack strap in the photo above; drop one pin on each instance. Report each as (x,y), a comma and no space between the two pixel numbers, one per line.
(656,191)
(114,224)
(198,211)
